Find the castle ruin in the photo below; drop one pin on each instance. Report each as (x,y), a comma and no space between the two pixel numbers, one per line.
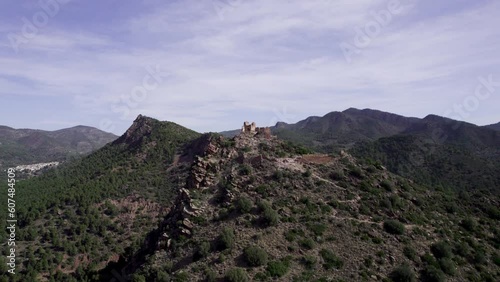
(251,128)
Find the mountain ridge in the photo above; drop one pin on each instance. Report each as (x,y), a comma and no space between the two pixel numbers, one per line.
(27,146)
(166,203)
(495,126)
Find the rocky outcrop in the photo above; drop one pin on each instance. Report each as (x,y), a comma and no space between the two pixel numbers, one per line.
(179,221)
(202,174)
(208,154)
(141,127)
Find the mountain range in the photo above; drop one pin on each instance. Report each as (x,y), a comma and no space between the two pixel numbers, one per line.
(341,130)
(495,126)
(28,146)
(435,150)
(386,198)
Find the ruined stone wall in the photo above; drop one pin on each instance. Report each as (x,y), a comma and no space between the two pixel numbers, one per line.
(251,128)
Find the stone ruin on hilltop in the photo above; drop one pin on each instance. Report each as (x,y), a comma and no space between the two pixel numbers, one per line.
(251,128)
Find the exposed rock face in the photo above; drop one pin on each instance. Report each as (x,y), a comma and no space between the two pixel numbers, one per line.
(208,154)
(179,221)
(202,174)
(141,127)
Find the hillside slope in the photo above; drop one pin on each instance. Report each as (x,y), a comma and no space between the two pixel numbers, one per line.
(441,152)
(88,212)
(164,203)
(433,150)
(251,209)
(28,146)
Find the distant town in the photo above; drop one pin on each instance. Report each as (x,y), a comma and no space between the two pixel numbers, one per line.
(35,167)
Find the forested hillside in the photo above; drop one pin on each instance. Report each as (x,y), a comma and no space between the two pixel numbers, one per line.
(164,203)
(86,213)
(29,146)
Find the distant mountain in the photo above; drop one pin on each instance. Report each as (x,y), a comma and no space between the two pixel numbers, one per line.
(439,151)
(433,150)
(340,129)
(495,126)
(27,146)
(343,129)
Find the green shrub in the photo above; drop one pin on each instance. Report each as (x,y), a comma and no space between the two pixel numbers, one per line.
(479,258)
(245,170)
(317,228)
(181,277)
(226,239)
(410,252)
(387,185)
(292,234)
(337,175)
(263,190)
(307,243)
(244,205)
(264,205)
(202,250)
(307,173)
(433,274)
(255,256)
(309,261)
(394,227)
(162,276)
(493,212)
(138,278)
(269,216)
(222,258)
(462,249)
(210,275)
(402,273)
(168,266)
(237,275)
(261,276)
(278,175)
(496,259)
(330,259)
(469,224)
(441,250)
(428,259)
(278,268)
(447,266)
(355,171)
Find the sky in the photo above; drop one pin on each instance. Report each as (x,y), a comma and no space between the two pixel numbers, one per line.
(209,65)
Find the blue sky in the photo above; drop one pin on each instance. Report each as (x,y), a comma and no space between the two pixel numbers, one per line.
(211,64)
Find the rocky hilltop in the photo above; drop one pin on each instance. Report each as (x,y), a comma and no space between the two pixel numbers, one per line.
(254,208)
(164,203)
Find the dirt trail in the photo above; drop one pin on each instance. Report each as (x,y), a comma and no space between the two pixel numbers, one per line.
(314,175)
